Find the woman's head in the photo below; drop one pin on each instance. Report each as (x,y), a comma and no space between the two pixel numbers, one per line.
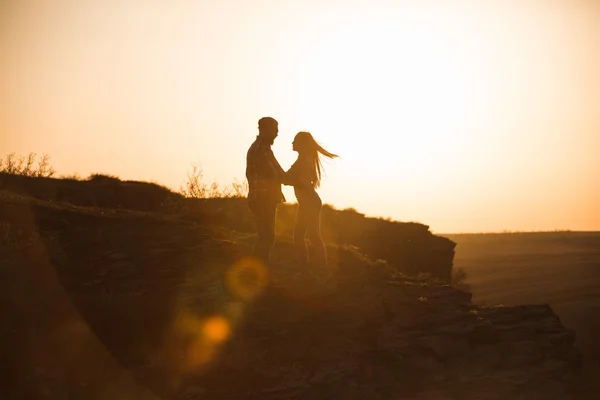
(304,143)
(307,146)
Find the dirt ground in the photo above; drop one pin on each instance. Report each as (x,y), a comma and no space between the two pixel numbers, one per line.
(108,304)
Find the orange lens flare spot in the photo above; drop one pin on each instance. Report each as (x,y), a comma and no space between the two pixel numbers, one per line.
(196,340)
(216,329)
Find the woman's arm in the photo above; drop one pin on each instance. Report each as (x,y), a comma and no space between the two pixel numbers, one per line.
(297,176)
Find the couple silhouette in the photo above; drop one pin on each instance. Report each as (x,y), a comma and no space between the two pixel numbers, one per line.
(265,177)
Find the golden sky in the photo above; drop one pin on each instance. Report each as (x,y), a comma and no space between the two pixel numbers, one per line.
(464,115)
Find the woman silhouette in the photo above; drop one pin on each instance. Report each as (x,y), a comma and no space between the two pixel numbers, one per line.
(305,176)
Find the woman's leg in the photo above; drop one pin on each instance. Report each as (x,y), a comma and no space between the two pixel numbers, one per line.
(313,226)
(299,233)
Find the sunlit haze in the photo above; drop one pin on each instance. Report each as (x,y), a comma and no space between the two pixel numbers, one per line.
(463,115)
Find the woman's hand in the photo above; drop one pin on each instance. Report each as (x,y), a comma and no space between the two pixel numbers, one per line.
(286,179)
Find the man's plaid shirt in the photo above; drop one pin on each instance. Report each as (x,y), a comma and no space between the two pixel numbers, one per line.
(264,174)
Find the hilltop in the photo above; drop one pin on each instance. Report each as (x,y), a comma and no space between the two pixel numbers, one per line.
(116,289)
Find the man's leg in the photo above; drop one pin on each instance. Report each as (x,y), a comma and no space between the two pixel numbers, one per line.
(264,215)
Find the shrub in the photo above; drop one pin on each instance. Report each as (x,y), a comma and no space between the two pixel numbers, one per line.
(27,166)
(459,279)
(194,187)
(72,177)
(103,178)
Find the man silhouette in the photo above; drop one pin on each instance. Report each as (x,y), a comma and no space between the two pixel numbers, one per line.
(265,177)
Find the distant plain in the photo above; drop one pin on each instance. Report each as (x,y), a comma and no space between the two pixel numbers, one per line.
(558,268)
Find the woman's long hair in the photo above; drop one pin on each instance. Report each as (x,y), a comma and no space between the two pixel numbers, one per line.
(309,146)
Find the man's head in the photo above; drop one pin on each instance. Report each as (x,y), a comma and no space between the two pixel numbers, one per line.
(268,129)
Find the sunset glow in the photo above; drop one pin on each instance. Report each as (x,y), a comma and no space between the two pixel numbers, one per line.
(459,115)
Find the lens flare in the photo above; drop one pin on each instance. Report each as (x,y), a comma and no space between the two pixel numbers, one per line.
(194,341)
(247,278)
